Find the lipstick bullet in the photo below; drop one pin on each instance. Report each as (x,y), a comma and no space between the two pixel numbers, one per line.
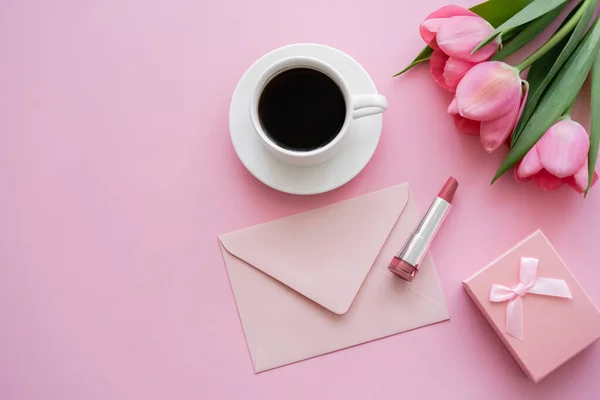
(406,263)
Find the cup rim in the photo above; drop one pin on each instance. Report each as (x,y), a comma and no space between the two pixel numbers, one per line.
(291,63)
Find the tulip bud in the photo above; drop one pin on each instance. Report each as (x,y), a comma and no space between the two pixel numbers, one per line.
(454,32)
(559,157)
(492,95)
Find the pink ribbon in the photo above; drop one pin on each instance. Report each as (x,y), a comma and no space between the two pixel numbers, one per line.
(528,284)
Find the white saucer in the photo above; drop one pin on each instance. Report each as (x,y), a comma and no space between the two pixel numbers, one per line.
(363,135)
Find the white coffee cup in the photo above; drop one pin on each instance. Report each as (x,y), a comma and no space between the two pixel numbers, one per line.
(357,106)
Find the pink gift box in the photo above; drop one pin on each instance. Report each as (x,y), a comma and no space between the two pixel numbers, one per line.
(553,328)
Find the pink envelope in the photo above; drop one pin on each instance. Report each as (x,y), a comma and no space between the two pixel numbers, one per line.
(316,282)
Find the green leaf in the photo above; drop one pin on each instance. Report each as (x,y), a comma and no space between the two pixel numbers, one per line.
(510,35)
(423,56)
(545,69)
(555,100)
(526,35)
(534,10)
(493,11)
(496,12)
(595,124)
(536,77)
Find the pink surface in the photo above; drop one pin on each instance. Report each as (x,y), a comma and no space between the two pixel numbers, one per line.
(293,295)
(555,329)
(118,174)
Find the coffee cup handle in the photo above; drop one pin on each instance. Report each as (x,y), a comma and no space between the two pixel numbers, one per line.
(364,105)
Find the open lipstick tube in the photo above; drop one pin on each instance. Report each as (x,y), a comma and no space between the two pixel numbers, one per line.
(406,263)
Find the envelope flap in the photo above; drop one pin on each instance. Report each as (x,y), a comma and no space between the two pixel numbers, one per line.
(326,253)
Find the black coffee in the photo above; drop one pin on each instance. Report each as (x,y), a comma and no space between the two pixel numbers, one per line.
(302,109)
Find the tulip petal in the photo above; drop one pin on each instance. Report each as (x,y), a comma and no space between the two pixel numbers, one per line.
(488,91)
(529,165)
(428,29)
(454,70)
(546,181)
(495,132)
(463,125)
(437,62)
(579,181)
(453,107)
(564,147)
(458,36)
(516,174)
(466,126)
(451,11)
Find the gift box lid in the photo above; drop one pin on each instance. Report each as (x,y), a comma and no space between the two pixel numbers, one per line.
(554,329)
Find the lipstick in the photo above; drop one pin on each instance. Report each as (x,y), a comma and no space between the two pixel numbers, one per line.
(406,263)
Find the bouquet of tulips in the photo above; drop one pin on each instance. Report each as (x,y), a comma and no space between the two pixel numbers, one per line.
(531,116)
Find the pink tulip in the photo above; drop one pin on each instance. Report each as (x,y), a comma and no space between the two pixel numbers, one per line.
(488,103)
(453,32)
(559,157)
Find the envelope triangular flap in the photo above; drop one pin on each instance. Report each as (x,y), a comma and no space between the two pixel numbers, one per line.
(326,253)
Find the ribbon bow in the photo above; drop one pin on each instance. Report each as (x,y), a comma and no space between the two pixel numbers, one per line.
(528,284)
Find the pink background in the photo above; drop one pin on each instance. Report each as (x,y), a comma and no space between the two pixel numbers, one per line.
(117,174)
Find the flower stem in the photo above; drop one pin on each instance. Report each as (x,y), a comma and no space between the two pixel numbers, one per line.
(569,110)
(555,39)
